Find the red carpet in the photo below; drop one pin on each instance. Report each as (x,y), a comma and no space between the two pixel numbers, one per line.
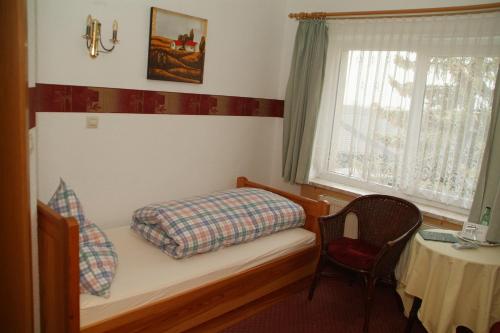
(336,307)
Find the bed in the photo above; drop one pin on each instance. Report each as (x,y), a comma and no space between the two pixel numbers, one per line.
(213,290)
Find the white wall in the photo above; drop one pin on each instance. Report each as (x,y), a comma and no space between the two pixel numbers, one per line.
(34,229)
(31,18)
(242,57)
(133,160)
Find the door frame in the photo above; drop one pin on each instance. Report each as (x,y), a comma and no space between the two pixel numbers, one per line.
(16,281)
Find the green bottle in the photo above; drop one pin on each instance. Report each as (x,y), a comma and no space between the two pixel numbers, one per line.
(485,219)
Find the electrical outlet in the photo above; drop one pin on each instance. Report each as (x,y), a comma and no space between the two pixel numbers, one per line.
(92,122)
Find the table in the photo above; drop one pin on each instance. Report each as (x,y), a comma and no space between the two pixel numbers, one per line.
(457,287)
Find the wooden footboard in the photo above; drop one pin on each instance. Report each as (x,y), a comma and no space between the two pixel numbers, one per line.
(196,307)
(58,256)
(206,309)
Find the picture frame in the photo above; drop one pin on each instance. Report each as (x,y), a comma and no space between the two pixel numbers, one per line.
(177,46)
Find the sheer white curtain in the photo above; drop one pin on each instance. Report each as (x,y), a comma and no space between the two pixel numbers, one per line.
(407,104)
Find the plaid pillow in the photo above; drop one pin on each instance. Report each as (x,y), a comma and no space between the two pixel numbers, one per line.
(182,228)
(92,234)
(98,258)
(97,268)
(65,202)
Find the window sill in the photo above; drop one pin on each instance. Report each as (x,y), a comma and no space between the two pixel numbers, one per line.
(429,211)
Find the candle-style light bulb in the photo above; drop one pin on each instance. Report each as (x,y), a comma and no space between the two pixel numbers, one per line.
(89,23)
(115,32)
(94,39)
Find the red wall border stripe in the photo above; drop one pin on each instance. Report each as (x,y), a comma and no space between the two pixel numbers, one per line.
(66,98)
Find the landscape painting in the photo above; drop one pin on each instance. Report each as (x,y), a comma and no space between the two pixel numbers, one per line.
(177,45)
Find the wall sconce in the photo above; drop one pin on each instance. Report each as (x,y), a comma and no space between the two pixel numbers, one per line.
(93,37)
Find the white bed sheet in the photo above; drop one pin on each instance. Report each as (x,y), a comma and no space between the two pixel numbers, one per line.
(145,274)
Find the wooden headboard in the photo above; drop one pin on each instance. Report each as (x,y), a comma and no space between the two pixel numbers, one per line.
(313,208)
(59,260)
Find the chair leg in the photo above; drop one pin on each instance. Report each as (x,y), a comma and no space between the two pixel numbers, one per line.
(413,316)
(393,280)
(369,286)
(394,284)
(317,274)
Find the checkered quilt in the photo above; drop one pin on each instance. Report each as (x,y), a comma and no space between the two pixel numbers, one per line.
(182,228)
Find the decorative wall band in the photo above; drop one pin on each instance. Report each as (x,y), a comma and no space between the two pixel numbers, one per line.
(32,106)
(64,98)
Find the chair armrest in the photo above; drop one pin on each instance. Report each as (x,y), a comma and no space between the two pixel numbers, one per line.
(331,228)
(388,256)
(404,236)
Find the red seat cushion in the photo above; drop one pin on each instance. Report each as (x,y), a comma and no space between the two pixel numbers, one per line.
(353,253)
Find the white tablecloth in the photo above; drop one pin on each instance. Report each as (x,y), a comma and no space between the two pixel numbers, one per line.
(457,287)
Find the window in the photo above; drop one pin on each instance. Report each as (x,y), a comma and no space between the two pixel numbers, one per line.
(406,106)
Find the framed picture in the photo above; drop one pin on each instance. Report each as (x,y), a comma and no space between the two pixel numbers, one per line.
(177,44)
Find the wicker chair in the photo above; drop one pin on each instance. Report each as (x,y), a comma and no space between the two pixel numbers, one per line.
(385,224)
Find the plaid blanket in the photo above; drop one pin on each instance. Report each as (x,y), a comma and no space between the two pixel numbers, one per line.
(182,228)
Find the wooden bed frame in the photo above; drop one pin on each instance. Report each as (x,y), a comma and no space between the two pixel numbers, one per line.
(206,309)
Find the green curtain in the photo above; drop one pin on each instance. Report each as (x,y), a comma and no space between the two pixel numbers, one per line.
(488,185)
(302,100)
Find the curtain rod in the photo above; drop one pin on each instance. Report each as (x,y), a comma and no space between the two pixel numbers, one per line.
(482,8)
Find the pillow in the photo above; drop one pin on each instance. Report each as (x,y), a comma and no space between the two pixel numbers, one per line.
(65,202)
(97,268)
(92,234)
(98,258)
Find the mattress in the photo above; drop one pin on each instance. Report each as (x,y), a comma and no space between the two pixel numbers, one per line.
(146,275)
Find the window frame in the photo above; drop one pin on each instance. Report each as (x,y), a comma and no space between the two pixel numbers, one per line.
(320,166)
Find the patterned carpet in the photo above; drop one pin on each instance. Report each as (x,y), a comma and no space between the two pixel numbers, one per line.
(336,307)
